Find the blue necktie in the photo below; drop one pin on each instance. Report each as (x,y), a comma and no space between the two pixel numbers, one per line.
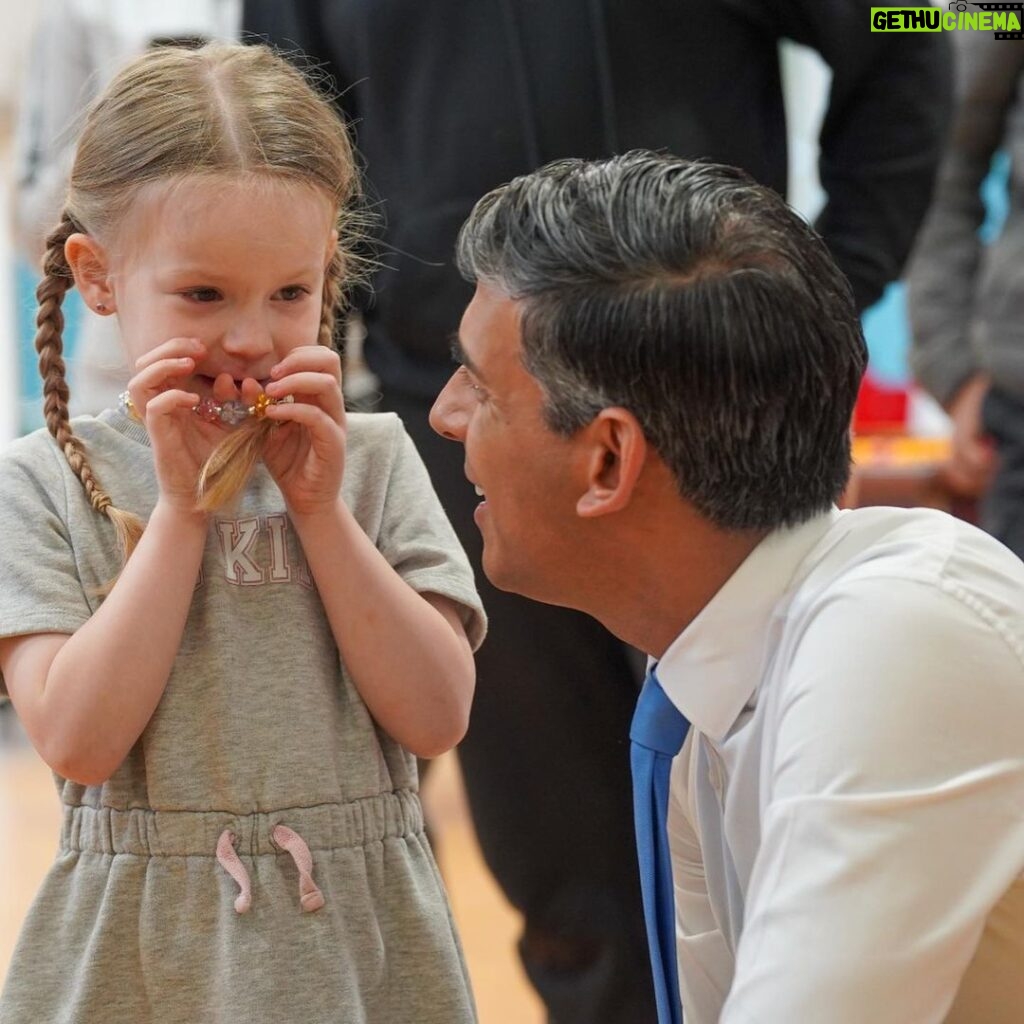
(657,735)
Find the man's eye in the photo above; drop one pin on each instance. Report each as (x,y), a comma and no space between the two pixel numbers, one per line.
(472,384)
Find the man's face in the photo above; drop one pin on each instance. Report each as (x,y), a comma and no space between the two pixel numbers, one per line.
(522,470)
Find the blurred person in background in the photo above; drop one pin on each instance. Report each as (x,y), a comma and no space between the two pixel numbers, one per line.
(449,100)
(77,47)
(966,300)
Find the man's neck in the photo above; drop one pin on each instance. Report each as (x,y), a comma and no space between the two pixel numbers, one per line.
(656,581)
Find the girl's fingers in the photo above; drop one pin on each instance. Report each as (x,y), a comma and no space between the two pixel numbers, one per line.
(154,380)
(312,417)
(251,391)
(305,383)
(167,402)
(224,388)
(175,348)
(315,358)
(321,389)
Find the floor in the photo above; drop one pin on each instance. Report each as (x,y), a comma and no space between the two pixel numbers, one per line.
(489,927)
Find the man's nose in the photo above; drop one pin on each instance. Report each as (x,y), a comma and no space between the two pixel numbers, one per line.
(449,416)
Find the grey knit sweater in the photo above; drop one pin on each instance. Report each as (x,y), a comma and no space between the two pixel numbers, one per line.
(967,299)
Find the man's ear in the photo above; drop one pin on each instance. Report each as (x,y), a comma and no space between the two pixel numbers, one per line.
(617,450)
(90,266)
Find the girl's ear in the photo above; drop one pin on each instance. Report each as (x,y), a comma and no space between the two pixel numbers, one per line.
(614,461)
(91,268)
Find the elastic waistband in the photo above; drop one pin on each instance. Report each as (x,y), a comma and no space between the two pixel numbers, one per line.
(144,832)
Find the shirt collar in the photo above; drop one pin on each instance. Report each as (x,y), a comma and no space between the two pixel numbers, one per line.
(125,425)
(712,669)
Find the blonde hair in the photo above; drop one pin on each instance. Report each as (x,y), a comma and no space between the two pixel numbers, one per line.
(174,112)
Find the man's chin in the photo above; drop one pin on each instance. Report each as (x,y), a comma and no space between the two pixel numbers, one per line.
(506,577)
(498,571)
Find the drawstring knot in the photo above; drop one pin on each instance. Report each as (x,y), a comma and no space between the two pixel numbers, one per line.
(227,857)
(310,896)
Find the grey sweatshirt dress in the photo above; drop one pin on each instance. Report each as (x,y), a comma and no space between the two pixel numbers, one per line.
(260,854)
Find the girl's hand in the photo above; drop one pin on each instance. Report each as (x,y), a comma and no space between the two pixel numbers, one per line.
(181,440)
(306,453)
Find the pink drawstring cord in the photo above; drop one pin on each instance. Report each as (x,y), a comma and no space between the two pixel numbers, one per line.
(310,896)
(229,860)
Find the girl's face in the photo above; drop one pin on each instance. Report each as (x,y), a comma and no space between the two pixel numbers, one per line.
(237,262)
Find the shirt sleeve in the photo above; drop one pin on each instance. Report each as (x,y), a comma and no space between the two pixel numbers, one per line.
(40,589)
(418,540)
(883,132)
(944,273)
(893,814)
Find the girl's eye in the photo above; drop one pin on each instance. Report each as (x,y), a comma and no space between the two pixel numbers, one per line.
(202,294)
(292,292)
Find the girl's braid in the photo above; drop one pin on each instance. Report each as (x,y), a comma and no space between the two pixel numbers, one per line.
(331,298)
(49,334)
(57,279)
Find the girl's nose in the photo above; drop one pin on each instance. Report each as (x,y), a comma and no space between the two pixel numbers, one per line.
(248,338)
(450,415)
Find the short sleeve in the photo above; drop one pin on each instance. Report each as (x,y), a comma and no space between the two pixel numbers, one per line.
(420,543)
(40,589)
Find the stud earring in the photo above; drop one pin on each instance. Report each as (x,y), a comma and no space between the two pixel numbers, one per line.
(100,308)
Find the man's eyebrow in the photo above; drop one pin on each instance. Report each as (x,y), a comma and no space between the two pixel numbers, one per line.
(462,358)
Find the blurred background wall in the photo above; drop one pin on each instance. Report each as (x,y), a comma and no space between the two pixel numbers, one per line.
(16,19)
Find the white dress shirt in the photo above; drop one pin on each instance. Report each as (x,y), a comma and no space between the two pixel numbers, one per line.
(847,814)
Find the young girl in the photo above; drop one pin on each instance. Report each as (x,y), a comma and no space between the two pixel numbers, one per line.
(232,721)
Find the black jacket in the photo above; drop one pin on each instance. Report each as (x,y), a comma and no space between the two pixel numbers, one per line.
(452,97)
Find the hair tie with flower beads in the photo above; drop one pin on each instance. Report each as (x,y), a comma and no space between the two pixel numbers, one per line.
(231,412)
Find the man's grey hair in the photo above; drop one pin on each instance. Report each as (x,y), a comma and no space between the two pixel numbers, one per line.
(697,300)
